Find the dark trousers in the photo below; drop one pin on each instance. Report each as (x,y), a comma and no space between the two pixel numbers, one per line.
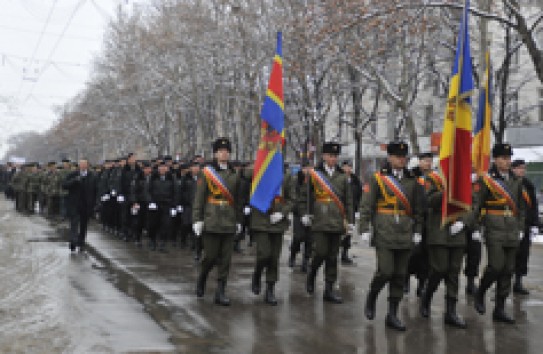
(473,257)
(217,251)
(301,234)
(78,228)
(500,268)
(268,251)
(523,253)
(52,206)
(159,224)
(140,221)
(391,269)
(325,250)
(445,264)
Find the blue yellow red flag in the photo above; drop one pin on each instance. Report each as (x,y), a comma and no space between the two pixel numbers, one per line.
(268,166)
(455,149)
(480,153)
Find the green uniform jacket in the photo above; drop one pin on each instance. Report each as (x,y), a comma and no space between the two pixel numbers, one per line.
(61,176)
(220,219)
(16,181)
(390,231)
(327,216)
(496,228)
(436,235)
(261,221)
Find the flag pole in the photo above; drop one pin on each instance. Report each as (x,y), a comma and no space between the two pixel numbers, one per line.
(450,177)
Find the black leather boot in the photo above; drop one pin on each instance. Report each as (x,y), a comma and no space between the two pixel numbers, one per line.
(451,317)
(270,294)
(426,299)
(329,294)
(392,320)
(518,288)
(220,295)
(345,259)
(255,282)
(292,260)
(305,262)
(201,284)
(471,289)
(310,286)
(369,309)
(479,298)
(499,314)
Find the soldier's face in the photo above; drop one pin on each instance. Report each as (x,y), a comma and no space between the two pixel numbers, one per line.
(520,171)
(330,159)
(195,169)
(347,169)
(132,160)
(503,163)
(397,161)
(222,155)
(425,164)
(83,165)
(147,170)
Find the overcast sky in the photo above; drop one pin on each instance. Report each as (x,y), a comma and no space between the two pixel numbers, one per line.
(46,52)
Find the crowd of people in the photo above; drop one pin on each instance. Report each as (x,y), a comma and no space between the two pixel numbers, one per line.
(205,206)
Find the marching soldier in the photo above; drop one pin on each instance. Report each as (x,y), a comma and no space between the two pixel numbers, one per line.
(356,188)
(268,229)
(418,260)
(128,176)
(161,209)
(531,227)
(33,187)
(329,201)
(393,209)
(190,181)
(141,194)
(499,210)
(217,217)
(117,199)
(301,233)
(445,251)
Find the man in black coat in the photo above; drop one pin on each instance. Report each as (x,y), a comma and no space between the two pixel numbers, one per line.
(81,188)
(128,177)
(531,226)
(356,188)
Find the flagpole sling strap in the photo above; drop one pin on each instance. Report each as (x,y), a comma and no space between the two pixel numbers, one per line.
(501,195)
(324,192)
(391,200)
(217,187)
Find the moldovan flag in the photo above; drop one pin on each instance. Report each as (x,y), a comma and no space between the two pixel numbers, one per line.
(268,169)
(480,153)
(455,152)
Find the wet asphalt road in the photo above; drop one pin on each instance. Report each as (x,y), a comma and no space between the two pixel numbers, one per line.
(137,300)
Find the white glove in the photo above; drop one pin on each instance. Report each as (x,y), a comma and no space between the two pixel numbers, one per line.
(113,192)
(357,215)
(417,238)
(152,206)
(105,198)
(238,228)
(350,229)
(246,210)
(365,236)
(120,198)
(534,231)
(173,212)
(198,227)
(457,227)
(134,210)
(179,208)
(276,217)
(476,236)
(520,235)
(306,220)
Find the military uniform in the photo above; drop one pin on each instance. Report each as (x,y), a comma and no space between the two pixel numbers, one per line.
(217,207)
(531,226)
(498,208)
(328,198)
(62,174)
(268,229)
(393,208)
(189,191)
(301,232)
(32,189)
(445,252)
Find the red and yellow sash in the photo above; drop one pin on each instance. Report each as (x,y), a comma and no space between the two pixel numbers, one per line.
(500,192)
(326,189)
(394,185)
(526,197)
(216,184)
(437,179)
